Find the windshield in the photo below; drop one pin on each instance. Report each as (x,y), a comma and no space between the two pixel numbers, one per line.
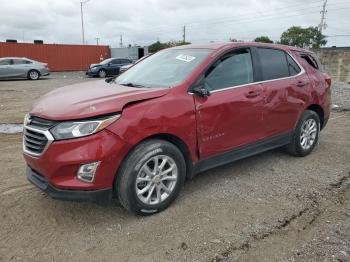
(164,69)
(104,62)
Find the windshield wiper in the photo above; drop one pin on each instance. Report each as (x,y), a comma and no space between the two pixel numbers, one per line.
(113,80)
(132,85)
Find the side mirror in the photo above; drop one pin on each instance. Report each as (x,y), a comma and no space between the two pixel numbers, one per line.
(110,79)
(201,91)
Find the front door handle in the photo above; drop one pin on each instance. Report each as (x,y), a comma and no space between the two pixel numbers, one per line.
(301,83)
(252,94)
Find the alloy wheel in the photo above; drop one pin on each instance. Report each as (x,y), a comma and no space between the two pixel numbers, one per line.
(156,180)
(34,75)
(102,74)
(308,134)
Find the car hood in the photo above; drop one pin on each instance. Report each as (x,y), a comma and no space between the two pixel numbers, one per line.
(93,65)
(90,99)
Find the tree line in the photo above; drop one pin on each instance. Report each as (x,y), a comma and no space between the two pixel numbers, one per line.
(310,37)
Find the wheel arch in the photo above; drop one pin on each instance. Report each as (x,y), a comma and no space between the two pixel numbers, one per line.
(173,139)
(33,69)
(320,112)
(102,69)
(181,145)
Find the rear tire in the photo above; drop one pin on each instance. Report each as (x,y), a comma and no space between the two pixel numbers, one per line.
(144,183)
(33,75)
(306,134)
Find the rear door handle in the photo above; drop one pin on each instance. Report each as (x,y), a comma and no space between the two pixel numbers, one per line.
(301,84)
(252,94)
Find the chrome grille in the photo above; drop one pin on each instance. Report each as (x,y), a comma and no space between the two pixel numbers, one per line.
(36,137)
(34,141)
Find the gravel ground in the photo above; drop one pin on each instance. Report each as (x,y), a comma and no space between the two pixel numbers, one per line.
(270,207)
(17,96)
(341,95)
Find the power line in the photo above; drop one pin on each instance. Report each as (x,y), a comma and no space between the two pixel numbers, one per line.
(338,30)
(272,16)
(231,18)
(338,35)
(249,19)
(241,18)
(254,20)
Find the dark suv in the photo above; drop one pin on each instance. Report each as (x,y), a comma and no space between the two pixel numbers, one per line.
(177,113)
(108,67)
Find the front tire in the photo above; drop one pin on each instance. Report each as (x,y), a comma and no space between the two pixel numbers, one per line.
(102,73)
(33,75)
(151,177)
(306,134)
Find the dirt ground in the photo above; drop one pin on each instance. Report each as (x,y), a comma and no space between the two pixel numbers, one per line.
(270,207)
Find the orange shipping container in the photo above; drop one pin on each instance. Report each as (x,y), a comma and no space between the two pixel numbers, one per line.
(59,57)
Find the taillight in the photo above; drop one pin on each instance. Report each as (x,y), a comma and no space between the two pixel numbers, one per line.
(328,79)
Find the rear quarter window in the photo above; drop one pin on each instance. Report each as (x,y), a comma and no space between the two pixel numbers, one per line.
(312,60)
(320,65)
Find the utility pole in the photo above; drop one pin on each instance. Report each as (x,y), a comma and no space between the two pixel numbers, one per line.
(97,38)
(82,19)
(82,22)
(184,34)
(121,41)
(323,24)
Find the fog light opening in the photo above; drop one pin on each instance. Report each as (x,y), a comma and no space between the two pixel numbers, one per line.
(87,172)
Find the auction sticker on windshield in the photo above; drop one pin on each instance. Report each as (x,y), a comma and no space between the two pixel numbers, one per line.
(185,58)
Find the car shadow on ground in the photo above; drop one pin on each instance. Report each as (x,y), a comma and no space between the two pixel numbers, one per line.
(23,79)
(200,183)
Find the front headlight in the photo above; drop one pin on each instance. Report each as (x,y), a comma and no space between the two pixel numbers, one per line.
(76,129)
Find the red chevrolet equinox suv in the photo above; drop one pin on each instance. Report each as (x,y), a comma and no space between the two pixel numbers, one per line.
(177,113)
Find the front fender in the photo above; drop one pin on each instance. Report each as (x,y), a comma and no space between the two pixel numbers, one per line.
(164,115)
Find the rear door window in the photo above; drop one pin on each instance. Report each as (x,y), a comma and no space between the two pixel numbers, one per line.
(273,63)
(231,70)
(125,61)
(117,61)
(19,61)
